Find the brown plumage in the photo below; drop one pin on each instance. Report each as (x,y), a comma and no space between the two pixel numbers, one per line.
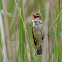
(38,32)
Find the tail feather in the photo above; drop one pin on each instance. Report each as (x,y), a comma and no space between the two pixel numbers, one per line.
(39,50)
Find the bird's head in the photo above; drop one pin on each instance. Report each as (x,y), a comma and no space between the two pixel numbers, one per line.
(36,18)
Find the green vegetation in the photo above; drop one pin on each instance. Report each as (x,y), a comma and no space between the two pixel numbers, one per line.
(20,30)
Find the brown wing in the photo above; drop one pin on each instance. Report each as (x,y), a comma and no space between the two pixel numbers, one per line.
(34,38)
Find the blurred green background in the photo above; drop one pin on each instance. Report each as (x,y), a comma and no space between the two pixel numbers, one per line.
(16,42)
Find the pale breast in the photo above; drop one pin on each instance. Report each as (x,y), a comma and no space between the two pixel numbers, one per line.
(38,32)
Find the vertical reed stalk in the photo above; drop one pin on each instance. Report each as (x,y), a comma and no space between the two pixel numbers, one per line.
(7,29)
(45,49)
(3,40)
(27,44)
(51,11)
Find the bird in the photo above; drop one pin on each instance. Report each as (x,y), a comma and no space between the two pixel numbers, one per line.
(38,31)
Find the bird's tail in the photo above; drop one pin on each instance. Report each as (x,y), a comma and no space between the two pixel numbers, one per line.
(39,50)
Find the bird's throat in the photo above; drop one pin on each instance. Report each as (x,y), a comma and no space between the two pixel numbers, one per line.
(33,22)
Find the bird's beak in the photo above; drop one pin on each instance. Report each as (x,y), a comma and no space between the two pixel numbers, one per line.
(33,14)
(33,17)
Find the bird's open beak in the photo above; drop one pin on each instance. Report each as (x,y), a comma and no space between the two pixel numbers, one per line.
(33,17)
(33,14)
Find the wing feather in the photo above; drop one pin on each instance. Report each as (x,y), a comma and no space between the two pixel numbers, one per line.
(34,38)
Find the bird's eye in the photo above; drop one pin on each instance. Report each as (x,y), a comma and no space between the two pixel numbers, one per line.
(38,16)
